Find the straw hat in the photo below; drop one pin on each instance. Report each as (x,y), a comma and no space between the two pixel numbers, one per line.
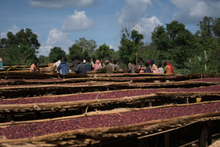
(106,61)
(0,59)
(84,61)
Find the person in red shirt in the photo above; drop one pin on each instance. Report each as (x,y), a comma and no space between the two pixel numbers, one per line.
(34,67)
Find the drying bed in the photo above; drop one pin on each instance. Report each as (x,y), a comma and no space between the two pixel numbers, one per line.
(40,81)
(104,121)
(207,80)
(106,95)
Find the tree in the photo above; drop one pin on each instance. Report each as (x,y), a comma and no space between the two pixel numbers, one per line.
(103,51)
(43,60)
(161,39)
(20,48)
(129,44)
(90,45)
(175,43)
(55,52)
(74,50)
(206,25)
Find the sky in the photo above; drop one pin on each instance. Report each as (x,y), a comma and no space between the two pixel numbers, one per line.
(62,22)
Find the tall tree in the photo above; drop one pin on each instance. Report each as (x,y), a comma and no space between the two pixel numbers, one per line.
(206,25)
(103,51)
(74,50)
(55,52)
(20,48)
(175,43)
(90,45)
(129,44)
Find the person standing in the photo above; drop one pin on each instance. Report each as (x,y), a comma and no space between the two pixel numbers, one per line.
(96,65)
(147,69)
(107,68)
(34,67)
(56,64)
(101,63)
(154,67)
(80,68)
(130,67)
(141,65)
(88,64)
(116,64)
(63,68)
(160,69)
(171,68)
(167,68)
(74,63)
(1,63)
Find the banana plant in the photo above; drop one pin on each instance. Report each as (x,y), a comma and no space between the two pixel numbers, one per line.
(200,62)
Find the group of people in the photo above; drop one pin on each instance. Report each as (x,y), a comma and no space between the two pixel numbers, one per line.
(81,66)
(150,67)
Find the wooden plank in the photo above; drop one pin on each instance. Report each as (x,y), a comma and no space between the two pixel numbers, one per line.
(166,138)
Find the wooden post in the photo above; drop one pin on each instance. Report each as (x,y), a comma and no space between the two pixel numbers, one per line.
(166,138)
(8,117)
(143,142)
(156,140)
(150,103)
(210,137)
(203,134)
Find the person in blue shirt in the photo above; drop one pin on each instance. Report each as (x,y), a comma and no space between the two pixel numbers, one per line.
(80,68)
(1,63)
(63,68)
(88,64)
(110,63)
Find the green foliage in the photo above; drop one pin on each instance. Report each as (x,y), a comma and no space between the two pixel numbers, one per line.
(103,51)
(20,48)
(181,71)
(175,43)
(129,44)
(55,53)
(74,50)
(43,60)
(88,45)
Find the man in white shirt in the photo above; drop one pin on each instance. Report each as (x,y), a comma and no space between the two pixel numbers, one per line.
(57,63)
(160,69)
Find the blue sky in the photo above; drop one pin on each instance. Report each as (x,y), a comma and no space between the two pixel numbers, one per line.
(61,22)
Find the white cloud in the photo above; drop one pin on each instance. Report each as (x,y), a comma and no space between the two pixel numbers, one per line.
(3,35)
(55,38)
(60,4)
(134,10)
(146,25)
(77,22)
(134,16)
(44,50)
(14,29)
(192,11)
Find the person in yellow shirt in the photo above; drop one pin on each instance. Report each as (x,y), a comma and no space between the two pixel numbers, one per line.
(167,68)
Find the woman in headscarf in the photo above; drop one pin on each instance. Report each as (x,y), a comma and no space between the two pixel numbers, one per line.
(96,65)
(171,68)
(154,67)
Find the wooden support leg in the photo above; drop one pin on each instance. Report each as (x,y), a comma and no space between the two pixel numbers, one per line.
(203,134)
(143,142)
(150,103)
(156,140)
(166,138)
(8,117)
(210,138)
(36,115)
